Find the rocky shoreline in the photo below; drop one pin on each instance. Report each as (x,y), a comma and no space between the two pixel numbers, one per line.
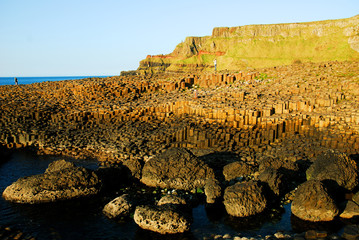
(244,140)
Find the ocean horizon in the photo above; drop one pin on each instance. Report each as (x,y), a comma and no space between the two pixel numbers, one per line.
(29,80)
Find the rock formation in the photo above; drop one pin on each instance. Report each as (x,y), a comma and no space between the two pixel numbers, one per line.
(176,168)
(161,219)
(119,207)
(237,169)
(245,199)
(61,181)
(335,166)
(312,202)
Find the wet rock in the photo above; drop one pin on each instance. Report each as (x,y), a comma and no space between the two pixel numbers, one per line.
(171,199)
(237,169)
(351,232)
(119,207)
(335,166)
(66,183)
(315,234)
(313,203)
(244,199)
(351,210)
(161,219)
(213,190)
(176,168)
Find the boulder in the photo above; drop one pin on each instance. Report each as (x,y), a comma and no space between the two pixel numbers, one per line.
(134,166)
(119,207)
(237,169)
(64,183)
(245,199)
(59,165)
(277,163)
(161,219)
(171,199)
(176,168)
(313,203)
(213,190)
(333,165)
(351,210)
(355,198)
(274,179)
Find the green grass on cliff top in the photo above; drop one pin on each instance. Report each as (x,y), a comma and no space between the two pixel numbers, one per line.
(268,52)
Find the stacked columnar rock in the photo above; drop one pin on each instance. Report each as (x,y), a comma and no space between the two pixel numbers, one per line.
(249,112)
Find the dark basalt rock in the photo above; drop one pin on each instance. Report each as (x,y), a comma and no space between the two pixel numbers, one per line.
(61,181)
(336,166)
(176,168)
(312,202)
(245,199)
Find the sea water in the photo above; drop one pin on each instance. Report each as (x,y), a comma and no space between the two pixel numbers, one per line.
(29,80)
(83,219)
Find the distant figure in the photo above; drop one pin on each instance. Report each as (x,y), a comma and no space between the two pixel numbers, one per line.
(16,82)
(215,65)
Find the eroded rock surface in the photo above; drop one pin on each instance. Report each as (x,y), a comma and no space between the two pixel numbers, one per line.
(245,199)
(161,219)
(237,169)
(335,166)
(176,168)
(119,207)
(60,182)
(312,202)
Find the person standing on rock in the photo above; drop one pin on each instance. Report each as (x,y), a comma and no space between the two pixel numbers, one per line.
(16,82)
(215,65)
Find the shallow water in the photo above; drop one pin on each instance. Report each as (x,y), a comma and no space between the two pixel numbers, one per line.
(83,219)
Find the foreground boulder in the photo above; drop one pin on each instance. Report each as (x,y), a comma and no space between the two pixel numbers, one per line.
(244,199)
(176,168)
(61,181)
(119,207)
(335,166)
(313,203)
(161,219)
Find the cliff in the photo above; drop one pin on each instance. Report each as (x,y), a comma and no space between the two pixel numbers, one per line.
(258,46)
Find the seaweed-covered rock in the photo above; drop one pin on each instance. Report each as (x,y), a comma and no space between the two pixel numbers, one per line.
(312,202)
(335,166)
(161,219)
(60,182)
(176,168)
(245,199)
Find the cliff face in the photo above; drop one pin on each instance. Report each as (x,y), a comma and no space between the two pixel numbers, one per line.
(256,46)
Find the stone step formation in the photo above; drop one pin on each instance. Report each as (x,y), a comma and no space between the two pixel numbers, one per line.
(313,106)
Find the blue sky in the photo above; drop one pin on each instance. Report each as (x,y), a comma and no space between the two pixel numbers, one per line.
(104,37)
